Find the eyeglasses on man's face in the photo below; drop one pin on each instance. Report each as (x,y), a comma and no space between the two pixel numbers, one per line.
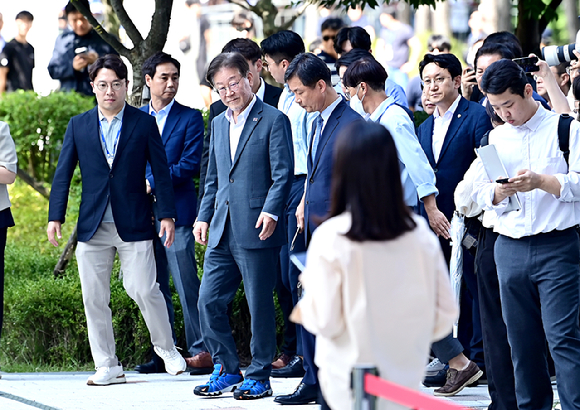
(572,71)
(115,85)
(326,38)
(232,87)
(428,82)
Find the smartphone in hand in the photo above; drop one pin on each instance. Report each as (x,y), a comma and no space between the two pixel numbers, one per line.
(528,64)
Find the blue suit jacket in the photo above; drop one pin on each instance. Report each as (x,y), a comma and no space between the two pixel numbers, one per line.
(183,140)
(123,183)
(469,123)
(258,180)
(317,195)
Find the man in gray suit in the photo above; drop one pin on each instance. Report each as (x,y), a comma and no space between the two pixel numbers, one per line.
(248,182)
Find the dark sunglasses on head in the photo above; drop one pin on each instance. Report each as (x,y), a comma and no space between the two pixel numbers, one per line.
(326,38)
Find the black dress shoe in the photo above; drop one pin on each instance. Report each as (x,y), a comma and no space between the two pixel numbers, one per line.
(150,367)
(304,394)
(294,368)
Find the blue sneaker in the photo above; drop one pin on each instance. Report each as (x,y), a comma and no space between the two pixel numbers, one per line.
(253,389)
(219,382)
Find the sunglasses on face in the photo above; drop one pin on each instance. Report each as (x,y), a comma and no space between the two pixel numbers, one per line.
(326,38)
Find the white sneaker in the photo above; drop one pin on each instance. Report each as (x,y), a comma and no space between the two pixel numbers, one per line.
(434,367)
(174,362)
(107,375)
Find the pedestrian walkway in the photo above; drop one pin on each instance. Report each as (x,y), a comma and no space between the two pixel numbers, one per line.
(69,391)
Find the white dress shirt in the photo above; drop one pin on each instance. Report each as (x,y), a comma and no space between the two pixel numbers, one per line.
(261,90)
(161,115)
(441,125)
(236,129)
(534,146)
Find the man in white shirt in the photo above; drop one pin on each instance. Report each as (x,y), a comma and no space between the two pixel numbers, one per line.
(449,138)
(248,181)
(537,251)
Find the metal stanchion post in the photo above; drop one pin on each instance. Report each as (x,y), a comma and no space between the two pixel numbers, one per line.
(362,400)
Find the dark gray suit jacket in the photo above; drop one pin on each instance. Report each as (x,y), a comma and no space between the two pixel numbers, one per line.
(258,180)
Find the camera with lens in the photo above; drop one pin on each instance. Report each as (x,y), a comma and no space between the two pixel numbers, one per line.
(554,55)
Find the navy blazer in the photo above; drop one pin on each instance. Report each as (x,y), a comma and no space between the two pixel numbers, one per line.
(183,140)
(123,183)
(470,121)
(317,195)
(271,97)
(258,180)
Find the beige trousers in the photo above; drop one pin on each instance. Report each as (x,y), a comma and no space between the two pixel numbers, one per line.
(95,261)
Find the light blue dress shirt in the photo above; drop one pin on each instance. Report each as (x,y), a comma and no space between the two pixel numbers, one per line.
(301,123)
(417,176)
(109,132)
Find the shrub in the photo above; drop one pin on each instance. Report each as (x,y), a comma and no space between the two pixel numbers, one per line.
(38,125)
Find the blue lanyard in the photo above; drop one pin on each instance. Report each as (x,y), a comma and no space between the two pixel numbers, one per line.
(110,156)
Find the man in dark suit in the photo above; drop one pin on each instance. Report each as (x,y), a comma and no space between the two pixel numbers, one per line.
(449,138)
(264,91)
(181,130)
(112,144)
(309,78)
(246,190)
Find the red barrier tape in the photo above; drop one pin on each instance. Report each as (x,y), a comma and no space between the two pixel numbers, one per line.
(376,386)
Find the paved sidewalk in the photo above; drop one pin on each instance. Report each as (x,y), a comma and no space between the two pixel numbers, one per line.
(69,391)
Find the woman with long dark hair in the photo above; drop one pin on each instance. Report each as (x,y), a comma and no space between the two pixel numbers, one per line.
(376,286)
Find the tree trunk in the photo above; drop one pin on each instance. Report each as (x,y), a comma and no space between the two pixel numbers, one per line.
(422,19)
(268,11)
(528,32)
(572,24)
(112,24)
(404,12)
(37,186)
(441,19)
(497,15)
(66,254)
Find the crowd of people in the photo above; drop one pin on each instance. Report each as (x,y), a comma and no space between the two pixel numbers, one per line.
(331,163)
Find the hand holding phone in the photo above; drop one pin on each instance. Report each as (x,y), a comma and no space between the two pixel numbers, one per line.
(502,180)
(528,64)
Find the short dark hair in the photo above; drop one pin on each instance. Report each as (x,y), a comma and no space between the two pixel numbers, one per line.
(309,69)
(70,7)
(283,45)
(227,60)
(576,91)
(561,68)
(25,15)
(150,65)
(358,37)
(368,70)
(246,47)
(447,61)
(110,61)
(507,39)
(439,42)
(493,49)
(353,55)
(504,75)
(332,23)
(366,181)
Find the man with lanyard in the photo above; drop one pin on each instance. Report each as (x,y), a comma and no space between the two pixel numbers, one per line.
(115,215)
(366,77)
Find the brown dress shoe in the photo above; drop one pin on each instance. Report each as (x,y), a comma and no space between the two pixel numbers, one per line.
(281,361)
(458,379)
(201,363)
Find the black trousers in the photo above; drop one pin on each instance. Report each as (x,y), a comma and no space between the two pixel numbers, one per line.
(497,353)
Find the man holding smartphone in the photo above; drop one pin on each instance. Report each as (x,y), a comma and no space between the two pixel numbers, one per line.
(75,50)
